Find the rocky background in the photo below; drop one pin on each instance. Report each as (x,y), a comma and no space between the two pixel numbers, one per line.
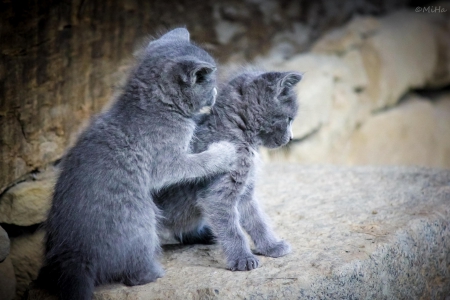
(375,90)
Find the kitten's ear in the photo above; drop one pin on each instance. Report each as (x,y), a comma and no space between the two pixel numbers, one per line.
(177,34)
(196,71)
(289,79)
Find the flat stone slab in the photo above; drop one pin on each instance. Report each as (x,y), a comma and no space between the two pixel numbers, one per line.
(356,233)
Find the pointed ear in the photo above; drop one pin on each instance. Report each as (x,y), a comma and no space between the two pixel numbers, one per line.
(290,79)
(176,34)
(196,71)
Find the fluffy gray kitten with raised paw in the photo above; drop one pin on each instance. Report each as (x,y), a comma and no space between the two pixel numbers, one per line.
(254,109)
(102,226)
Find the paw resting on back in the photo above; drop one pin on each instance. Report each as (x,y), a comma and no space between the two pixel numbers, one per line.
(246,262)
(225,155)
(278,249)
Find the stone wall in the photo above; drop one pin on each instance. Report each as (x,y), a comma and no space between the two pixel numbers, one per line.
(60,60)
(363,99)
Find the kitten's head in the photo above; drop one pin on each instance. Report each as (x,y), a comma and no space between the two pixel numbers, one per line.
(271,104)
(183,73)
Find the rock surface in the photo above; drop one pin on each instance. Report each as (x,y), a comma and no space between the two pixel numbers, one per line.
(7,280)
(60,61)
(28,202)
(4,244)
(26,256)
(415,132)
(357,73)
(356,233)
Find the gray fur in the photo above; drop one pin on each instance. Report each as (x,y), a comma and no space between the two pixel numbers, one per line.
(102,226)
(254,109)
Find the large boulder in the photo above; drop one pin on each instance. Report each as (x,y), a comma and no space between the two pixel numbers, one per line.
(26,256)
(401,51)
(415,132)
(4,244)
(7,277)
(7,280)
(28,202)
(60,61)
(357,73)
(356,233)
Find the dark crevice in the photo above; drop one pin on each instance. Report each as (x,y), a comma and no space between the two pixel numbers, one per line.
(430,94)
(16,230)
(22,126)
(24,178)
(29,176)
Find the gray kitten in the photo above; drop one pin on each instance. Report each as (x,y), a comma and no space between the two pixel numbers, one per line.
(254,109)
(102,226)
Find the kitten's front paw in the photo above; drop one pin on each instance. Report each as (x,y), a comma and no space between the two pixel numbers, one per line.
(278,249)
(245,263)
(225,155)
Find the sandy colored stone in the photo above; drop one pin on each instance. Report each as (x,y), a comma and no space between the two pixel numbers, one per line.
(353,35)
(27,203)
(414,133)
(60,61)
(7,280)
(359,72)
(26,255)
(400,51)
(356,233)
(4,244)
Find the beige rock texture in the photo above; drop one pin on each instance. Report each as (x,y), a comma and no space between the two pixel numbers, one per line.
(358,72)
(61,62)
(7,280)
(7,276)
(28,202)
(56,75)
(356,233)
(415,132)
(26,256)
(4,244)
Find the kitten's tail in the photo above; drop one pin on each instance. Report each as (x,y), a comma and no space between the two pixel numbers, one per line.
(70,280)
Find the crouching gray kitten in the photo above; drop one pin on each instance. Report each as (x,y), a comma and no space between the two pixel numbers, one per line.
(102,226)
(254,109)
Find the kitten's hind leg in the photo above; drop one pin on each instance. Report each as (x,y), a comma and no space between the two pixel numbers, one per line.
(257,225)
(142,265)
(143,274)
(203,235)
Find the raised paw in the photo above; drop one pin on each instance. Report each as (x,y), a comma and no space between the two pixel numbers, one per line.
(278,249)
(225,154)
(244,263)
